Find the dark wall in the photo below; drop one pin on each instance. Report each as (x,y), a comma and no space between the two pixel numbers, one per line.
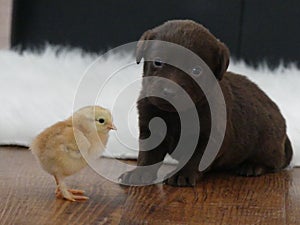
(253,29)
(271,31)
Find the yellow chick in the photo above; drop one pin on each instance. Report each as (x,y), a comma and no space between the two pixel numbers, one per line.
(57,147)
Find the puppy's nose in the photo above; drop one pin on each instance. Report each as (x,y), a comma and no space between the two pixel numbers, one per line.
(168,92)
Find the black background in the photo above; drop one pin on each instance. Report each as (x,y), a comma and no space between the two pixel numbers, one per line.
(254,30)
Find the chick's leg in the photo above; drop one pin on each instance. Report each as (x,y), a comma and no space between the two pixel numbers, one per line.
(69,194)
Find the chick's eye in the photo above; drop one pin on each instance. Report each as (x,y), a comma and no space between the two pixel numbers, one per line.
(158,63)
(101,120)
(196,71)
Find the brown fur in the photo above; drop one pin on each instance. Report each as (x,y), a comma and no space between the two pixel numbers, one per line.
(255,140)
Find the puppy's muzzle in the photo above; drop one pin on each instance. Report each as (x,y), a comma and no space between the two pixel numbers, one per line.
(168,92)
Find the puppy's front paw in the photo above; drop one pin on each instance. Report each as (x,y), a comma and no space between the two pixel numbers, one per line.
(183,179)
(137,177)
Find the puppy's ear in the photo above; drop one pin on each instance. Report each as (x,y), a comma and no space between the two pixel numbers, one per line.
(223,55)
(141,45)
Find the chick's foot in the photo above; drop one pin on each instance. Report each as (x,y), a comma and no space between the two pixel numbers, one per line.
(71,195)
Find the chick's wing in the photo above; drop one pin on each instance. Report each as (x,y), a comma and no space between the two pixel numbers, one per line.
(76,143)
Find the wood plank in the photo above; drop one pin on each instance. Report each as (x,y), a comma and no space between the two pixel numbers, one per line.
(27,197)
(219,199)
(293,197)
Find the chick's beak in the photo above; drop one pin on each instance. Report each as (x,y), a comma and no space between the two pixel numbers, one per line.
(112,127)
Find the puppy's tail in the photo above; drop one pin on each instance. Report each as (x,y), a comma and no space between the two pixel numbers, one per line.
(288,152)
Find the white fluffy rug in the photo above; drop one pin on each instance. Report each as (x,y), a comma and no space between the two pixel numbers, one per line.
(38,89)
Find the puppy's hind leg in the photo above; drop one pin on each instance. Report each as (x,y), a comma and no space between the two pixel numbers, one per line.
(273,156)
(251,169)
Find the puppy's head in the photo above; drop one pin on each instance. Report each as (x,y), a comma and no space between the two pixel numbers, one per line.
(192,36)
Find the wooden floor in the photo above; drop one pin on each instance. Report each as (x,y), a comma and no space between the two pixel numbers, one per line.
(27,197)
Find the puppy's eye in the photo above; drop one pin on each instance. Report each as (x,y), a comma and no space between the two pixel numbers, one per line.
(158,63)
(101,120)
(196,71)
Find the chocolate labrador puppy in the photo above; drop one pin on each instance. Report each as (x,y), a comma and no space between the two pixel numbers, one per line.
(255,140)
